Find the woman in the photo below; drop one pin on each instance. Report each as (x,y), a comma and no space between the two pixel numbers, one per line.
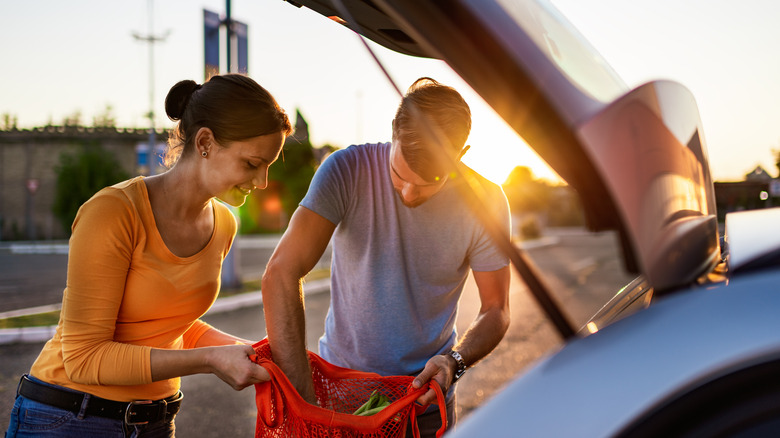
(144,264)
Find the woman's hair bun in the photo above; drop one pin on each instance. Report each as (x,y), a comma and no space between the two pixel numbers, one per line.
(178,97)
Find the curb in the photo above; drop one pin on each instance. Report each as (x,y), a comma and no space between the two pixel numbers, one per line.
(25,335)
(267,241)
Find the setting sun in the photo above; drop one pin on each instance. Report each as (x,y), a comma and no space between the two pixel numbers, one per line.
(496,149)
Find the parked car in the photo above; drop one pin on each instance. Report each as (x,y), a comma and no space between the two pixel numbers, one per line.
(691,347)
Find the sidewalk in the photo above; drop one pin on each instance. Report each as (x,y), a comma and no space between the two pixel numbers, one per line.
(61,246)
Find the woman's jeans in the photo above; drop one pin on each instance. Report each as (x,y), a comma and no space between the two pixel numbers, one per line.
(33,419)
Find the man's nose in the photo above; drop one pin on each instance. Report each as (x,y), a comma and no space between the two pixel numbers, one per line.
(410,192)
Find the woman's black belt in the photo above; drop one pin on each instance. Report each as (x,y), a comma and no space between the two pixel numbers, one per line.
(132,413)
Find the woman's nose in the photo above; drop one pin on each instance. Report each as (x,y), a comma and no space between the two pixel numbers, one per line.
(260,180)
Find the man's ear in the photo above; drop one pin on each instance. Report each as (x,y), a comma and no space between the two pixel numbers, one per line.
(463,151)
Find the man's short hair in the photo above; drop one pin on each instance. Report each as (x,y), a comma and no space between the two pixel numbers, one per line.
(432,118)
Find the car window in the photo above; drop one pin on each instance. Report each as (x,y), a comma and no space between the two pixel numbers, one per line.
(566,48)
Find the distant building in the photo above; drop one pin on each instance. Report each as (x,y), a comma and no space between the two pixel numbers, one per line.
(301,133)
(751,194)
(758,174)
(28,161)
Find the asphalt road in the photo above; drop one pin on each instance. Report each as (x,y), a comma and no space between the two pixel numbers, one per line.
(583,271)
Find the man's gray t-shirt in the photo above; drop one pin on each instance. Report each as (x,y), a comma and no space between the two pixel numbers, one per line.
(397,273)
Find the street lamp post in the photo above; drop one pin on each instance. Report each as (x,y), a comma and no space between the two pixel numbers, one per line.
(151,39)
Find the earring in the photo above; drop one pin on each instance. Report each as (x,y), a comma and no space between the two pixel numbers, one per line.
(203,154)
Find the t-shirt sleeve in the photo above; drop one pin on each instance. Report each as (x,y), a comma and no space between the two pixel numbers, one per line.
(101,248)
(329,191)
(486,255)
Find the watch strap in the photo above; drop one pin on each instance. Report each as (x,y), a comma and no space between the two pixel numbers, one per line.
(460,365)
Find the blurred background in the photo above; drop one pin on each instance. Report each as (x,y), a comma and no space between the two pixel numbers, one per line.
(82,92)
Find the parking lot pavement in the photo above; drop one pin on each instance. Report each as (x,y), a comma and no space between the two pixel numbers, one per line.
(212,409)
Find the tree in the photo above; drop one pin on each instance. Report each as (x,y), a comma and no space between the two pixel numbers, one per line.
(8,122)
(295,170)
(81,175)
(525,193)
(106,119)
(72,120)
(288,180)
(777,160)
(531,199)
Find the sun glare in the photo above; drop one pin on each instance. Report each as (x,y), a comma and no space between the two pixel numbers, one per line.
(494,156)
(496,149)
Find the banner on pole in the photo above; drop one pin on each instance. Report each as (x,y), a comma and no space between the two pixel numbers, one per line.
(211,24)
(240,31)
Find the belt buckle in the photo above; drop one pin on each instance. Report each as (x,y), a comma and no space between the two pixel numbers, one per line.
(129,410)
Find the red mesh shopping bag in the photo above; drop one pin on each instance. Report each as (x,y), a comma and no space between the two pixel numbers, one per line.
(282,413)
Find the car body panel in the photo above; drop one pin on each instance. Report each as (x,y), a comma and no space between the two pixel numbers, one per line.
(373,23)
(745,238)
(649,147)
(598,385)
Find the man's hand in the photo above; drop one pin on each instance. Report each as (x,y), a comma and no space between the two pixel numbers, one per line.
(440,369)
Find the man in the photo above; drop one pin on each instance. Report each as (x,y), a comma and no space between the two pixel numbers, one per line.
(404,239)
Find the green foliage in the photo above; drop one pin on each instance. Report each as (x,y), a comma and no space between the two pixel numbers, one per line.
(530,229)
(559,205)
(777,160)
(106,119)
(294,169)
(288,180)
(8,122)
(526,194)
(81,175)
(73,120)
(35,320)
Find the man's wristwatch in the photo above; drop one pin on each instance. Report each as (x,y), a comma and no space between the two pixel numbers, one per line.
(460,365)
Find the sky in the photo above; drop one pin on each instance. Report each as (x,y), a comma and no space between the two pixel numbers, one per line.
(63,57)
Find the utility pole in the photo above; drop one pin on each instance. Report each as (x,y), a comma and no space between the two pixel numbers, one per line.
(235,43)
(229,29)
(151,39)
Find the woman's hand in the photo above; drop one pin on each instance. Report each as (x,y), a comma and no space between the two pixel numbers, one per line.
(232,364)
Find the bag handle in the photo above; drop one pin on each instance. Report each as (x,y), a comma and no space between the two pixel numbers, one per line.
(271,414)
(419,409)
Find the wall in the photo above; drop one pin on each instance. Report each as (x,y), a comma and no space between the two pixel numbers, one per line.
(28,159)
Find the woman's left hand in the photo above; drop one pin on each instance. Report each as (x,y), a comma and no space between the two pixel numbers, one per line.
(232,364)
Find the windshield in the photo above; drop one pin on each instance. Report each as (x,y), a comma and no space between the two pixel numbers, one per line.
(562,44)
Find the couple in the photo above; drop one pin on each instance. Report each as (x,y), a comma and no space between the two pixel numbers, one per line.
(146,254)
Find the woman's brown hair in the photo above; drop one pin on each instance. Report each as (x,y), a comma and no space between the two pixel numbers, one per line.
(233,106)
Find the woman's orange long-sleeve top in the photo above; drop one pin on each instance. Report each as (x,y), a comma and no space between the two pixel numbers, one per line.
(126,293)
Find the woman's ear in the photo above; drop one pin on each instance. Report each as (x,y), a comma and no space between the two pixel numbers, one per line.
(204,140)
